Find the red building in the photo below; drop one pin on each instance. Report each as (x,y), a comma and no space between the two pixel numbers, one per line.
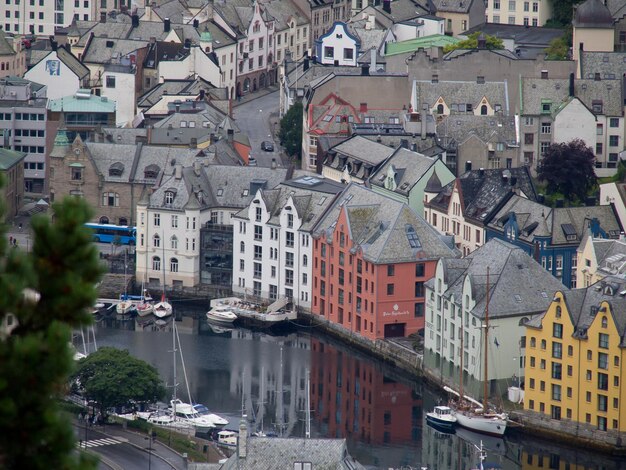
(372,256)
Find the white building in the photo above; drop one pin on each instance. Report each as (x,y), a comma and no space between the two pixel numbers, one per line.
(456,301)
(338,46)
(61,72)
(41,17)
(422,26)
(272,242)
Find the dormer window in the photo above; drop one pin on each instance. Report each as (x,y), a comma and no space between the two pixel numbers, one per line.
(116,169)
(169,197)
(151,172)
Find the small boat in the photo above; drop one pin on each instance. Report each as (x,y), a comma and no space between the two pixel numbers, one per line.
(124,307)
(97,307)
(441,418)
(163,308)
(218,421)
(221,314)
(144,308)
(227,438)
(165,419)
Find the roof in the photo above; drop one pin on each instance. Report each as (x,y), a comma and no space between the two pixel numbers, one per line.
(5,47)
(409,167)
(609,65)
(592,14)
(72,62)
(454,92)
(82,101)
(539,36)
(281,453)
(104,50)
(518,285)
(411,45)
(458,128)
(386,230)
(10,158)
(483,192)
(361,149)
(452,6)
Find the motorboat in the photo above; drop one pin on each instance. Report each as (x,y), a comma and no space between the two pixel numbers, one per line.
(227,438)
(279,312)
(221,314)
(165,419)
(442,417)
(97,307)
(218,421)
(185,412)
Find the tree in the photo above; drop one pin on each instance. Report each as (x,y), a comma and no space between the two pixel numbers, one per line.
(48,292)
(562,12)
(290,133)
(112,377)
(491,42)
(558,49)
(568,168)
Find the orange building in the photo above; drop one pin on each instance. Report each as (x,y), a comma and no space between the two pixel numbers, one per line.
(352,398)
(372,256)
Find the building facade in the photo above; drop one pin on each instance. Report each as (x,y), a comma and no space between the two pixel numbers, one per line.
(12,169)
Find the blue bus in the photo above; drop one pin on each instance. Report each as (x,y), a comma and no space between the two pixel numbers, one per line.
(106,233)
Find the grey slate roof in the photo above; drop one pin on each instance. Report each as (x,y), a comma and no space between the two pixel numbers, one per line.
(460,92)
(379,226)
(362,154)
(452,6)
(97,51)
(115,29)
(482,192)
(401,10)
(283,11)
(409,168)
(458,128)
(281,454)
(609,65)
(534,90)
(610,255)
(518,285)
(5,47)
(190,88)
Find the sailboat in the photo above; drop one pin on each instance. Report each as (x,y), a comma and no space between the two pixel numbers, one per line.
(163,308)
(125,305)
(145,306)
(470,413)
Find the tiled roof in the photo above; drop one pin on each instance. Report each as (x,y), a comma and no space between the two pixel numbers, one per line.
(103,50)
(412,45)
(460,92)
(10,158)
(489,129)
(361,149)
(452,6)
(409,168)
(386,230)
(609,65)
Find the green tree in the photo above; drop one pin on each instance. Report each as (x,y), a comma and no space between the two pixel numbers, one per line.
(558,49)
(568,168)
(112,377)
(45,293)
(491,42)
(290,133)
(562,12)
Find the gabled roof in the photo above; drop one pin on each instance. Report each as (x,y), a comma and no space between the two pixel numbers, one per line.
(452,6)
(105,50)
(5,47)
(409,168)
(10,158)
(72,62)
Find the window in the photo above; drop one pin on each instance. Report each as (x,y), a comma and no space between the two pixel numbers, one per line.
(156,263)
(603,381)
(603,361)
(556,392)
(348,54)
(535,10)
(614,122)
(157,220)
(156,241)
(511,5)
(391,270)
(329,52)
(174,265)
(390,289)
(557,330)
(289,237)
(258,253)
(546,127)
(496,4)
(77,173)
(419,289)
(613,141)
(258,232)
(174,242)
(110,81)
(557,370)
(110,199)
(419,270)
(169,197)
(529,139)
(419,310)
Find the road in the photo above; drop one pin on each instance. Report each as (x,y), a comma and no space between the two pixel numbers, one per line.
(254,119)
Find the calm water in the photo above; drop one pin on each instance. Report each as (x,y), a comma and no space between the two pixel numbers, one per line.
(378,410)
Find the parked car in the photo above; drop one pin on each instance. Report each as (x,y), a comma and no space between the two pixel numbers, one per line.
(267,146)
(251,161)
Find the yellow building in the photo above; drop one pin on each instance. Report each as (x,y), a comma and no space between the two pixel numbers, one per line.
(574,360)
(592,29)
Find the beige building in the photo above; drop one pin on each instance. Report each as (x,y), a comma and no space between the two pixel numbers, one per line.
(519,12)
(12,56)
(592,29)
(460,15)
(599,258)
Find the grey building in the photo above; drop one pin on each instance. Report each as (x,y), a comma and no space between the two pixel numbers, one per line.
(23,123)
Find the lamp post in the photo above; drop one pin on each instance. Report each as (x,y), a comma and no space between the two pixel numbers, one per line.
(151,437)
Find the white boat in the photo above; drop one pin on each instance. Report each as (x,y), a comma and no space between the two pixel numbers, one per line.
(144,308)
(124,307)
(221,314)
(163,308)
(442,417)
(470,413)
(257,315)
(186,413)
(165,419)
(97,307)
(227,438)
(216,420)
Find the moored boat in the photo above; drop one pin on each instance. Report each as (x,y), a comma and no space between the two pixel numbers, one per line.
(124,307)
(227,438)
(442,418)
(221,314)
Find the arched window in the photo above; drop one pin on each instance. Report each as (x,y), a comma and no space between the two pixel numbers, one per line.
(558,311)
(123,221)
(533,342)
(156,241)
(174,265)
(605,322)
(305,260)
(104,220)
(156,263)
(439,109)
(543,344)
(483,110)
(242,247)
(174,242)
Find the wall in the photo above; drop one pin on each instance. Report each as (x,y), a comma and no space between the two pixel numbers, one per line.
(61,81)
(575,121)
(591,39)
(123,93)
(340,39)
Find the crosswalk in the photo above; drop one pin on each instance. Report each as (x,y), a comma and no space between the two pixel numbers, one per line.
(106,441)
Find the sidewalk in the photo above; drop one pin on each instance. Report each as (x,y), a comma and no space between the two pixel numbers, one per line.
(254,95)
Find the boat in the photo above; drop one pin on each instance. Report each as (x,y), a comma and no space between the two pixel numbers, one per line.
(97,307)
(216,420)
(221,314)
(227,438)
(441,418)
(254,314)
(163,308)
(186,413)
(470,413)
(145,306)
(165,419)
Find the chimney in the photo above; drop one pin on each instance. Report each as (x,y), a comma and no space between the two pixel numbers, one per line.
(373,59)
(166,25)
(242,441)
(423,123)
(230,134)
(273,164)
(541,198)
(135,20)
(365,69)
(202,94)
(513,180)
(481,172)
(468,165)
(387,6)
(187,43)
(178,171)
(571,85)
(196,23)
(404,143)
(103,17)
(193,143)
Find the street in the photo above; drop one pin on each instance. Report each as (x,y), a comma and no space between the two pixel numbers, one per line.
(254,119)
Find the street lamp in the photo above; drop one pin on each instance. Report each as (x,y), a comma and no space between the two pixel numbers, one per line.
(151,439)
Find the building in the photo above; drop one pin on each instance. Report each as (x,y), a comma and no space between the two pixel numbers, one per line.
(272,244)
(60,71)
(371,258)
(552,235)
(407,176)
(598,258)
(12,170)
(615,194)
(26,128)
(456,304)
(338,46)
(82,113)
(323,13)
(465,206)
(292,30)
(459,15)
(42,17)
(354,160)
(12,56)
(592,29)
(574,360)
(524,13)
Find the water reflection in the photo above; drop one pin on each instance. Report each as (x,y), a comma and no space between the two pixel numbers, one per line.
(376,408)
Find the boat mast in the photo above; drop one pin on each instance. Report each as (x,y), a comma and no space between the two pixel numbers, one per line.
(486,348)
(174,356)
(307,432)
(461,356)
